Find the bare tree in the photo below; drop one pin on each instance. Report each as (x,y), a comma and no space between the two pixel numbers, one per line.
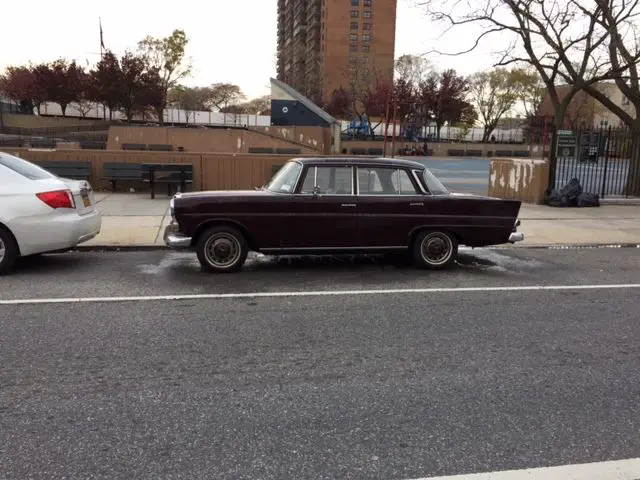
(620,18)
(412,68)
(564,40)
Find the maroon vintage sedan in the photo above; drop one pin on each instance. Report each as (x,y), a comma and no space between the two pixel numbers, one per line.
(340,205)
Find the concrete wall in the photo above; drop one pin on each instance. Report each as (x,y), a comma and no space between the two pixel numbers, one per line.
(441,149)
(35,121)
(232,140)
(317,138)
(519,179)
(211,171)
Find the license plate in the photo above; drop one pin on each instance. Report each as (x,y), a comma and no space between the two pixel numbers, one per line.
(85,199)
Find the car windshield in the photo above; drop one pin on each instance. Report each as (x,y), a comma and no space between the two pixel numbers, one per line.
(285,180)
(433,184)
(24,168)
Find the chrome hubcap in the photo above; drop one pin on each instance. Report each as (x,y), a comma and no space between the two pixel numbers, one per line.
(2,250)
(437,248)
(222,250)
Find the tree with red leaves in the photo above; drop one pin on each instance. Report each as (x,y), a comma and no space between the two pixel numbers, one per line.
(339,104)
(64,83)
(375,102)
(131,93)
(442,97)
(404,93)
(25,85)
(106,82)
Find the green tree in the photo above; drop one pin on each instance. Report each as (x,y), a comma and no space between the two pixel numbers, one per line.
(167,56)
(531,89)
(493,93)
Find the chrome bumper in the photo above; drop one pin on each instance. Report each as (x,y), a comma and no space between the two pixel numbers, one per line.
(516,237)
(174,239)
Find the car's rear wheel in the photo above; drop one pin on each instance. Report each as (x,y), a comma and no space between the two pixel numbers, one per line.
(8,250)
(222,249)
(435,249)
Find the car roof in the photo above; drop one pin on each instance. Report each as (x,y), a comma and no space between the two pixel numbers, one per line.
(380,161)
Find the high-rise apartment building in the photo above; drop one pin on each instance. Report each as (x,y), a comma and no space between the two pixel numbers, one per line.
(327,44)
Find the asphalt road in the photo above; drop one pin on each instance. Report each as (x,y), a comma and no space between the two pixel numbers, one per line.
(370,386)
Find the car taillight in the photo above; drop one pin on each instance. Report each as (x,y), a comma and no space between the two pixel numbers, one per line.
(57,198)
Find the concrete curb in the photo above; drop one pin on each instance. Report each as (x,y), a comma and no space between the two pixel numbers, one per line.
(564,246)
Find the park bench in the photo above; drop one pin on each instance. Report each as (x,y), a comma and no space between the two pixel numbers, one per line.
(121,171)
(473,153)
(288,151)
(93,145)
(260,150)
(454,152)
(72,170)
(520,153)
(504,153)
(358,151)
(375,151)
(179,174)
(42,143)
(160,147)
(134,146)
(11,142)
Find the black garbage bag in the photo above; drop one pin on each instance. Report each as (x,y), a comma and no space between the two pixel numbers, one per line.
(556,199)
(588,200)
(571,191)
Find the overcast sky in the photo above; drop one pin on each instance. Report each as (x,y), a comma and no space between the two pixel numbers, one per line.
(230,41)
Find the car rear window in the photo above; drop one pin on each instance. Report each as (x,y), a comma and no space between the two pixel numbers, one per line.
(24,168)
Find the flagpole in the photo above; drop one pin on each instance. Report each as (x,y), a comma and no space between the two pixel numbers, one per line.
(101,39)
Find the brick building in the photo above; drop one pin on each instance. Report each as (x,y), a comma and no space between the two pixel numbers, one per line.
(327,44)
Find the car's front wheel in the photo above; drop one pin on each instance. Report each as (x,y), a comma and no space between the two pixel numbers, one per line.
(435,249)
(8,250)
(222,249)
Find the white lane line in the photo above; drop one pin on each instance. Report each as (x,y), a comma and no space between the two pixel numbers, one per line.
(318,293)
(628,469)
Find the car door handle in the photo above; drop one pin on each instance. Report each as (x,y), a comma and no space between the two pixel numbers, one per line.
(348,205)
(416,204)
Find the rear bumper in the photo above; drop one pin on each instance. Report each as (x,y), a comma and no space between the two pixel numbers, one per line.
(48,233)
(174,239)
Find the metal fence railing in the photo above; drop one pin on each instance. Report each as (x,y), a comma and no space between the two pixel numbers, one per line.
(605,161)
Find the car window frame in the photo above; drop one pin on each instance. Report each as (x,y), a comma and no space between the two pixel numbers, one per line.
(416,185)
(307,168)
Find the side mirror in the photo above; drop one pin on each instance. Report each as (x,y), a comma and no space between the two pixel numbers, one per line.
(316,191)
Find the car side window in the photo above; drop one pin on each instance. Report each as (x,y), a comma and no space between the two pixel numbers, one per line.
(403,184)
(385,181)
(369,182)
(329,180)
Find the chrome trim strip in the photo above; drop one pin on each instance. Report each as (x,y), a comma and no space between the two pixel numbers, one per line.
(310,249)
(417,179)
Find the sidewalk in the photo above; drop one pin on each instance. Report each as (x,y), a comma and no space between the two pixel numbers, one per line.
(136,220)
